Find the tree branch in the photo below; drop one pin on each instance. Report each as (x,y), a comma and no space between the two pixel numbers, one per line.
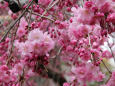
(57,77)
(13,23)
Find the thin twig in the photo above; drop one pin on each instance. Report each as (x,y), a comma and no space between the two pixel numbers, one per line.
(58,53)
(108,79)
(49,7)
(10,56)
(30,16)
(106,67)
(111,50)
(42,16)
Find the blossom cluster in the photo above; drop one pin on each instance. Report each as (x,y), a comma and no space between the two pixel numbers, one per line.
(35,49)
(57,33)
(88,29)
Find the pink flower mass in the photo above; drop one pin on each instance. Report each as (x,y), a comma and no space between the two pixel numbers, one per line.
(38,43)
(57,42)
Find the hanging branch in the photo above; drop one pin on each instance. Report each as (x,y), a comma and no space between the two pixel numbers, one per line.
(42,16)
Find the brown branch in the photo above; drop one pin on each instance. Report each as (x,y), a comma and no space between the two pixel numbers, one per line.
(57,77)
(19,3)
(106,67)
(13,23)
